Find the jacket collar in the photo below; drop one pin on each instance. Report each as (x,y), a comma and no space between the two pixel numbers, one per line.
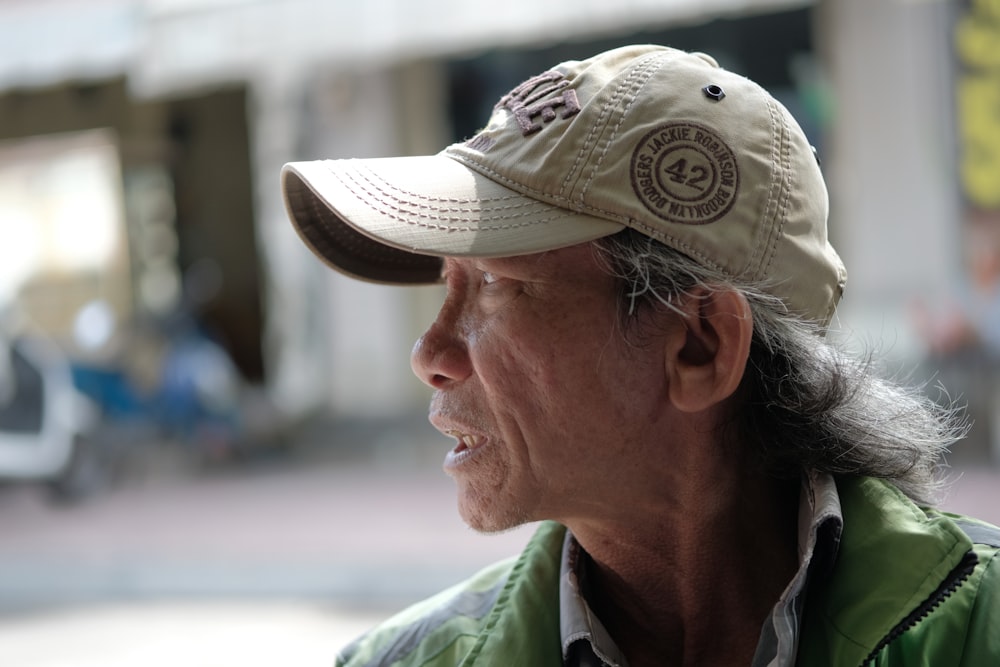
(523,626)
(892,557)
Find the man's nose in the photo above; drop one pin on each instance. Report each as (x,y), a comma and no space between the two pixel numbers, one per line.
(441,357)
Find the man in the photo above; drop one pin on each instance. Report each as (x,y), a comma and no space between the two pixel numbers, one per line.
(631,349)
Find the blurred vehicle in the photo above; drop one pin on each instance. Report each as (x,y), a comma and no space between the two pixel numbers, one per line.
(171,385)
(47,426)
(169,381)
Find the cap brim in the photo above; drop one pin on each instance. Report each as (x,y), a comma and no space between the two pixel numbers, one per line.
(391,220)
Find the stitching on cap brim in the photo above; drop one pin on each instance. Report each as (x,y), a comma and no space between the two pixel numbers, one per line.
(430,205)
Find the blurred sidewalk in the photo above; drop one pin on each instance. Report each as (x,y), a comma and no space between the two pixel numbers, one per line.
(356,513)
(188,632)
(279,558)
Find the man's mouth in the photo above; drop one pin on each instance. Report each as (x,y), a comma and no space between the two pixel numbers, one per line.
(467,446)
(466,442)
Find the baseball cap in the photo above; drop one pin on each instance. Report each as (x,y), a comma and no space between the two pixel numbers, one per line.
(649,137)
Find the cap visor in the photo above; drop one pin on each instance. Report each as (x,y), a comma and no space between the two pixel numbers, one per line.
(390,220)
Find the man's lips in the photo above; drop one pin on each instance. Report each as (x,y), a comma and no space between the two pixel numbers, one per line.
(467,445)
(466,441)
(468,437)
(469,440)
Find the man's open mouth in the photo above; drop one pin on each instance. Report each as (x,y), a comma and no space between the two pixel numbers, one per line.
(466,442)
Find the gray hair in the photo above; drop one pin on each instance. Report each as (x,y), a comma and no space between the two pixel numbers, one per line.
(809,405)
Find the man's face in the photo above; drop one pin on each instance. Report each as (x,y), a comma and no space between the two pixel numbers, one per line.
(548,400)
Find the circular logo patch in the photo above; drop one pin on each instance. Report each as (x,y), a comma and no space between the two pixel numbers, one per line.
(683,172)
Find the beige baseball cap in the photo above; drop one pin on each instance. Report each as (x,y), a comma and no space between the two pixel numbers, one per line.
(663,141)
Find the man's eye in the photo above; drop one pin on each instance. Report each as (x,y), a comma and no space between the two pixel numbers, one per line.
(488,278)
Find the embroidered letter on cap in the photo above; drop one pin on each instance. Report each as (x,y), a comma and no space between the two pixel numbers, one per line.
(533,98)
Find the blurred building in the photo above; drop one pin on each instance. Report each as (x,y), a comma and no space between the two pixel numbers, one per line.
(141,141)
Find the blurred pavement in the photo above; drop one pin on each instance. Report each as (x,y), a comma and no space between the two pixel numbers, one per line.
(367,516)
(276,558)
(194,562)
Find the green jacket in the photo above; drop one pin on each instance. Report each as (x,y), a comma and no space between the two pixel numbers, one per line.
(909,587)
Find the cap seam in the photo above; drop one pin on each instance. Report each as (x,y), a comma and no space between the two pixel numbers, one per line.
(636,78)
(543,197)
(679,244)
(786,177)
(763,251)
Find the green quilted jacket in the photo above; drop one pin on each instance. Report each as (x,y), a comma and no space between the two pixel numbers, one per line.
(910,586)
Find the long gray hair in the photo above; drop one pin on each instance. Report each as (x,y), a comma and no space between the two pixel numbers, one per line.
(809,405)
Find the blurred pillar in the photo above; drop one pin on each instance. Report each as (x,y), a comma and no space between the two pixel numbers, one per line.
(895,214)
(334,343)
(368,111)
(290,292)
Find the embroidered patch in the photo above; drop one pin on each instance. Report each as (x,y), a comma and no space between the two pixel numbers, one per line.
(535,99)
(683,172)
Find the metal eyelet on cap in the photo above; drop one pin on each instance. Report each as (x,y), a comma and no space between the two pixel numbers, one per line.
(714,92)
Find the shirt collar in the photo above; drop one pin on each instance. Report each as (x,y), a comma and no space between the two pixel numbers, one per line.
(576,620)
(821,523)
(820,526)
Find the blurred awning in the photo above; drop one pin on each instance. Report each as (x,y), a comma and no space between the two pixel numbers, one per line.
(168,45)
(44,42)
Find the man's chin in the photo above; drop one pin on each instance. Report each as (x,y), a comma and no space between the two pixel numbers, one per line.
(491,521)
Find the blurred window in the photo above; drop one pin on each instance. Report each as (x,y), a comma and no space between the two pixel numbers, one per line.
(62,230)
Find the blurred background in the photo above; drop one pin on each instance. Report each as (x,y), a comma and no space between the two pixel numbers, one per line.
(211,447)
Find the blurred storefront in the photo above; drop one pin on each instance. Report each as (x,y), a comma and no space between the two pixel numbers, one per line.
(197,104)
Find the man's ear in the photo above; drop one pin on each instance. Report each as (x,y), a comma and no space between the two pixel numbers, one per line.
(707,354)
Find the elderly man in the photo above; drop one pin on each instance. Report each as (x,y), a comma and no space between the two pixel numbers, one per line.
(631,350)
